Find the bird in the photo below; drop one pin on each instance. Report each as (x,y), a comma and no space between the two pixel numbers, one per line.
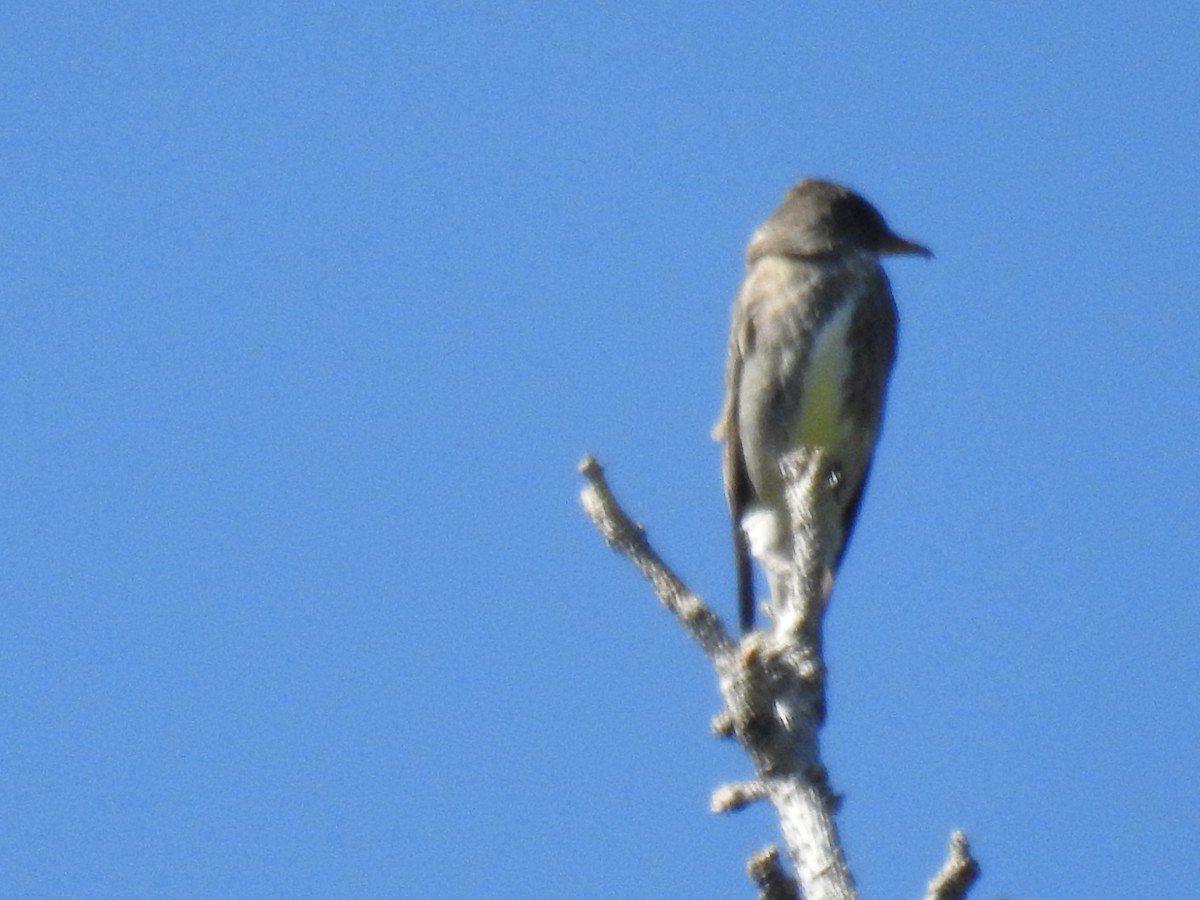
(811,347)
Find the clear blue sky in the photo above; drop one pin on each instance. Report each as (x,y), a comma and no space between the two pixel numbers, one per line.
(310,310)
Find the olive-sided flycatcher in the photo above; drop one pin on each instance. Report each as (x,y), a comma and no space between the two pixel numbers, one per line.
(811,348)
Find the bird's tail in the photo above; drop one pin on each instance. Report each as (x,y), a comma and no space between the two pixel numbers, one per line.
(745,577)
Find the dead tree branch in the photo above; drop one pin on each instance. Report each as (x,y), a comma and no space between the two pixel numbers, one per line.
(957,874)
(773,686)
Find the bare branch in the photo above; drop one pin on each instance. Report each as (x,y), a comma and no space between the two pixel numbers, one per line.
(773,683)
(787,753)
(766,870)
(958,872)
(629,539)
(737,795)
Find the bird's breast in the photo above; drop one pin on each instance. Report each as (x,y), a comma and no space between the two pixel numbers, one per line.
(822,421)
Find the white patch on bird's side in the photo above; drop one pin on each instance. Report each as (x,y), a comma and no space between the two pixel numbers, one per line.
(763,530)
(829,360)
(767,537)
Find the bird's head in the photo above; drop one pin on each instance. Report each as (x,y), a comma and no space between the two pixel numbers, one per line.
(819,218)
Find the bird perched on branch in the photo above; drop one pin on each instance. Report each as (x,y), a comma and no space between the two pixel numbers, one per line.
(811,348)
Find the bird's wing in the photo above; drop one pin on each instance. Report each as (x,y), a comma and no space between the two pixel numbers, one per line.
(876,332)
(737,482)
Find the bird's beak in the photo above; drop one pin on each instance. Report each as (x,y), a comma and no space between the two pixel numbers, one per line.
(894,244)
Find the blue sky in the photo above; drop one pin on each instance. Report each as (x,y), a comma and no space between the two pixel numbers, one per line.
(309,312)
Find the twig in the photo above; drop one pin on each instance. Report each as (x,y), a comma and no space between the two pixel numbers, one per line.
(766,870)
(958,872)
(629,539)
